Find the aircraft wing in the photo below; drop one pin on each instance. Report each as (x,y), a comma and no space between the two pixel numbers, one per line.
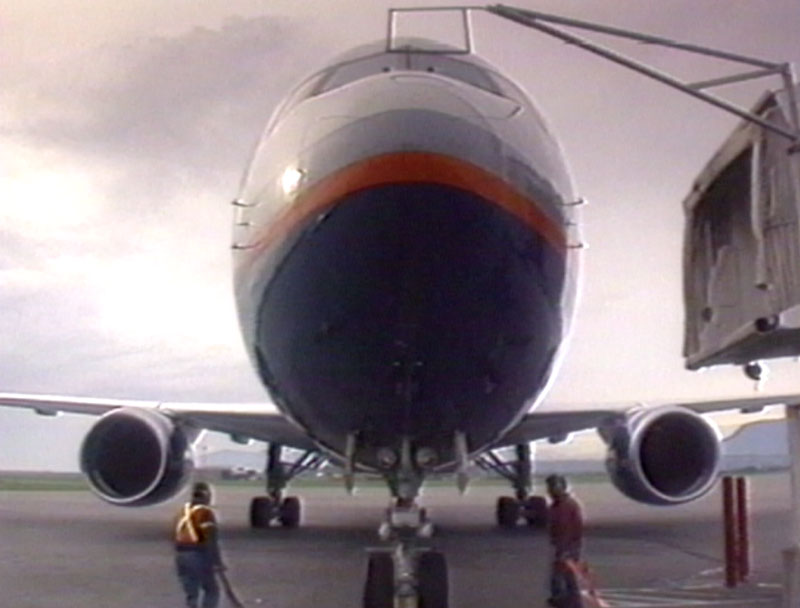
(556,425)
(255,421)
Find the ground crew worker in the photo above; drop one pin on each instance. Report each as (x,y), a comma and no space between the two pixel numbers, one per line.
(197,555)
(566,537)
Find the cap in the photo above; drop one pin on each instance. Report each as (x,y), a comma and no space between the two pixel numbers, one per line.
(556,482)
(201,491)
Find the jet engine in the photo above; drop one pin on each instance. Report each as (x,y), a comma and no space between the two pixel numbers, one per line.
(134,457)
(662,456)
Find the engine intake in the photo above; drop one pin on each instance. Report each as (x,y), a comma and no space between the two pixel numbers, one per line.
(663,456)
(136,457)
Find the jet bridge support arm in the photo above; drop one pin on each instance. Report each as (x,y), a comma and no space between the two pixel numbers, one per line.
(537,20)
(543,23)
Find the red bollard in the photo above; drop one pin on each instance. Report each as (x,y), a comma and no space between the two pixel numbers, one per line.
(729,514)
(743,528)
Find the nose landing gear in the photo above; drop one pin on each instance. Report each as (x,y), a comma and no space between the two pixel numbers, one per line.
(406,579)
(405,575)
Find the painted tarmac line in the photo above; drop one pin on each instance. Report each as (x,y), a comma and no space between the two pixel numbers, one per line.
(678,603)
(652,598)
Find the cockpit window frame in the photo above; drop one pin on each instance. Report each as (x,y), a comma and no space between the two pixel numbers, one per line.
(410,59)
(496,85)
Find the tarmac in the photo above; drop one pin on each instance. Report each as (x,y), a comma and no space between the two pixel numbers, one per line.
(67,549)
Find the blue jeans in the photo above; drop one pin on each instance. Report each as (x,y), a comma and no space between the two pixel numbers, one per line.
(196,573)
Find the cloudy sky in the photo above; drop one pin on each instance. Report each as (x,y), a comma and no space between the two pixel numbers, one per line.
(124,130)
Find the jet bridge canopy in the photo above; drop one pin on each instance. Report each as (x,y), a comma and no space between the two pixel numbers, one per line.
(742,247)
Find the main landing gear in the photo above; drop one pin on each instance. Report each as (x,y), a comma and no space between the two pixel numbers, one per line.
(532,509)
(274,507)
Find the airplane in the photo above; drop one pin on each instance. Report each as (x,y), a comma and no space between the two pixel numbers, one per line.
(406,272)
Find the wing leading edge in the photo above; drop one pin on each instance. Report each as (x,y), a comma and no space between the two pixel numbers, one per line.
(254,421)
(257,421)
(556,425)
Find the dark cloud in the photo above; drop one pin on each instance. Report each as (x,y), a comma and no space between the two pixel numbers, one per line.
(166,98)
(165,113)
(164,127)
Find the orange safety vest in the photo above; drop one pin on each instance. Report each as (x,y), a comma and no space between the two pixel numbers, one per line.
(193,524)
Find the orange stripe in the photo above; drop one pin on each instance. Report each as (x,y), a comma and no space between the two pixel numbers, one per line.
(404,168)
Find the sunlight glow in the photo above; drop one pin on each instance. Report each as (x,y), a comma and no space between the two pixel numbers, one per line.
(45,194)
(291,179)
(148,301)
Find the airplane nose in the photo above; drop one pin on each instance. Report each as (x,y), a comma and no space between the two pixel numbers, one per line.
(395,308)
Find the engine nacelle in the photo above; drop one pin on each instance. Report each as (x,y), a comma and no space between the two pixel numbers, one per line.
(135,457)
(663,456)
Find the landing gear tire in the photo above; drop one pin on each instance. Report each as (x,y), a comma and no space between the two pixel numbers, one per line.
(379,586)
(260,512)
(507,512)
(433,584)
(289,512)
(536,511)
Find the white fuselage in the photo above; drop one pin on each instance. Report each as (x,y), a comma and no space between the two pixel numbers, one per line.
(403,269)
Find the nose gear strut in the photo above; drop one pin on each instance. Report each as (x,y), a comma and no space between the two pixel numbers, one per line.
(404,574)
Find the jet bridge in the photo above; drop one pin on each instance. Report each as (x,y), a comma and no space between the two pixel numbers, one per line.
(742,246)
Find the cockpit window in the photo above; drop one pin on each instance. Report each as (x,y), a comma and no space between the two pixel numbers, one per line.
(445,65)
(457,69)
(350,69)
(374,59)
